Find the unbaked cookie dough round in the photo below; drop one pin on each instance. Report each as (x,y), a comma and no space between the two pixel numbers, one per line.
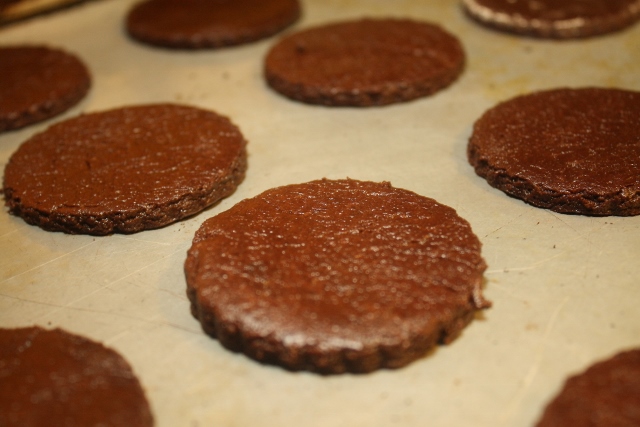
(573,151)
(55,378)
(125,170)
(607,394)
(37,83)
(335,276)
(364,63)
(199,24)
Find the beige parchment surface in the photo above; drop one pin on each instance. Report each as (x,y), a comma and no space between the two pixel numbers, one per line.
(565,289)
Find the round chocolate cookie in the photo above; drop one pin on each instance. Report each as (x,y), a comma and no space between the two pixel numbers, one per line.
(605,395)
(364,63)
(38,83)
(574,151)
(54,378)
(335,276)
(197,24)
(555,19)
(125,170)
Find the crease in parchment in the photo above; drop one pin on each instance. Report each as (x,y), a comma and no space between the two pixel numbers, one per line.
(110,313)
(531,267)
(70,304)
(511,221)
(8,233)
(136,239)
(126,276)
(566,224)
(516,400)
(47,262)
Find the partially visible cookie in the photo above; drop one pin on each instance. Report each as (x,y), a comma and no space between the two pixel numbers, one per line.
(555,19)
(574,151)
(197,24)
(335,276)
(38,83)
(6,3)
(125,170)
(364,63)
(54,378)
(607,394)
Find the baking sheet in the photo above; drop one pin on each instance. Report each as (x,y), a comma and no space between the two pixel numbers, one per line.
(564,288)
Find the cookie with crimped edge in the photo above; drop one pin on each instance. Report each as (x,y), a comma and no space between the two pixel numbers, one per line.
(125,170)
(38,83)
(565,19)
(362,63)
(573,151)
(206,24)
(335,276)
(55,378)
(607,394)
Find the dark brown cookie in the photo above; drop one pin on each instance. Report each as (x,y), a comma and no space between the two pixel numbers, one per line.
(335,276)
(125,170)
(6,3)
(605,395)
(364,63)
(54,378)
(574,151)
(197,24)
(555,19)
(38,83)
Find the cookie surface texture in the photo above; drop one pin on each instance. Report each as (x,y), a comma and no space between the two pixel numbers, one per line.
(364,63)
(54,378)
(198,24)
(573,151)
(555,19)
(125,170)
(38,83)
(607,394)
(335,276)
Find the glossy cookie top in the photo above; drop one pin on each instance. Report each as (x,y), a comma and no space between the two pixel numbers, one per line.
(37,83)
(54,378)
(365,62)
(569,150)
(125,170)
(335,276)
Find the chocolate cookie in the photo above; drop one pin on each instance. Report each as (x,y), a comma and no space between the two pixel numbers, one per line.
(38,83)
(605,395)
(364,63)
(196,24)
(6,3)
(574,151)
(555,19)
(335,276)
(125,170)
(54,378)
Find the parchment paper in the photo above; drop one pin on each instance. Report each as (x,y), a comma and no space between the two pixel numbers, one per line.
(564,288)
